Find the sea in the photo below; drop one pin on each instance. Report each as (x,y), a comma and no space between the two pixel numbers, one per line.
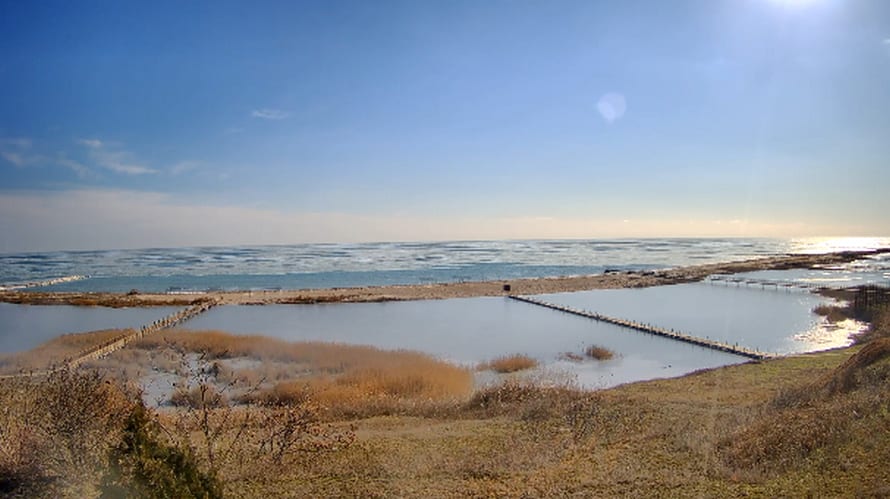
(328,265)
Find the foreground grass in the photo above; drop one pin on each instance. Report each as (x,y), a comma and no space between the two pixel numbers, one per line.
(808,425)
(717,433)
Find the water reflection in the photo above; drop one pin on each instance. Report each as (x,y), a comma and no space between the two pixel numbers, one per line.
(768,320)
(473,330)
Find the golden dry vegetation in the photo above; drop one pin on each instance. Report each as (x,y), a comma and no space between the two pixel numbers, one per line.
(55,351)
(508,364)
(598,352)
(345,380)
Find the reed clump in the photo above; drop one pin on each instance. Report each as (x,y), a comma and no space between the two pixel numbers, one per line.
(412,385)
(598,352)
(343,379)
(832,313)
(509,364)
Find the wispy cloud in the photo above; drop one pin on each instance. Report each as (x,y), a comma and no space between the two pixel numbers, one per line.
(17,151)
(184,166)
(113,159)
(270,114)
(91,143)
(19,142)
(78,168)
(15,158)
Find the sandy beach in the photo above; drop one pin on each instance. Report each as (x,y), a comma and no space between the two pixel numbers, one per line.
(438,291)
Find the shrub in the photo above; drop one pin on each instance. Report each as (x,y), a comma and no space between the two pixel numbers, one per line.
(198,396)
(143,465)
(832,313)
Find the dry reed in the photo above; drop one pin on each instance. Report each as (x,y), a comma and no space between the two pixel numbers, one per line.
(598,352)
(344,379)
(509,364)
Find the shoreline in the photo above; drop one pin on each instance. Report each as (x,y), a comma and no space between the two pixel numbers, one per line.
(527,286)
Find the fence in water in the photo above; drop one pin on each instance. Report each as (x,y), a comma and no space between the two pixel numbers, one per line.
(650,329)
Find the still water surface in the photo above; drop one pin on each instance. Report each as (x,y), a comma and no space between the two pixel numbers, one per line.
(472,330)
(23,327)
(776,321)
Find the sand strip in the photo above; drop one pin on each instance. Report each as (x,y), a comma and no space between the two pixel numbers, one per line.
(439,291)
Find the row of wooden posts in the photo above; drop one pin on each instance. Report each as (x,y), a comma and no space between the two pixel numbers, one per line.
(171,320)
(647,328)
(764,283)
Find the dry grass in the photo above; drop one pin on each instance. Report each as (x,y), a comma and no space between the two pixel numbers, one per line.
(571,357)
(199,396)
(404,383)
(315,356)
(855,371)
(55,351)
(509,364)
(111,300)
(811,427)
(598,352)
(345,380)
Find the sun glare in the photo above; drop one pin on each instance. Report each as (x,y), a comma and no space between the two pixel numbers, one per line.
(817,245)
(794,3)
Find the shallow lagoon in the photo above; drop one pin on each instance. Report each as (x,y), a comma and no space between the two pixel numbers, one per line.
(829,278)
(770,320)
(23,327)
(472,330)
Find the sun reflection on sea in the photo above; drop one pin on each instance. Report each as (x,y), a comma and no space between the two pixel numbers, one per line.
(817,245)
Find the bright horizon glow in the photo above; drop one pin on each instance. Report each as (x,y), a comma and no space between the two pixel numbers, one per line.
(131,219)
(214,124)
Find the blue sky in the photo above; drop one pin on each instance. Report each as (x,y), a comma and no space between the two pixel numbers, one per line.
(193,123)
